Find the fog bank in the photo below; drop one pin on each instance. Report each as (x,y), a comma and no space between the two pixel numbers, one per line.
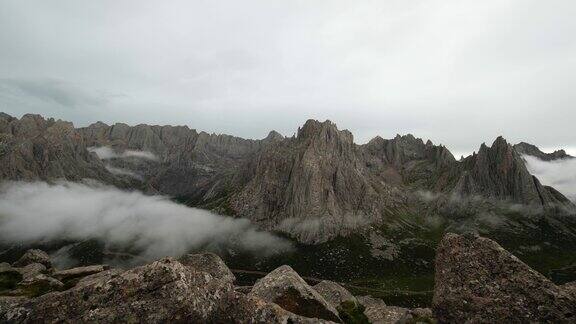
(560,174)
(152,225)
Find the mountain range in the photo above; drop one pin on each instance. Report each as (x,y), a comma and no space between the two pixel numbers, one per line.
(387,202)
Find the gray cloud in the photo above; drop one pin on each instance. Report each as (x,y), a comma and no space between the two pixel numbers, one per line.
(560,174)
(457,72)
(51,91)
(33,212)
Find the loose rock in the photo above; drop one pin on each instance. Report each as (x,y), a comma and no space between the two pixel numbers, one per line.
(286,288)
(378,312)
(333,293)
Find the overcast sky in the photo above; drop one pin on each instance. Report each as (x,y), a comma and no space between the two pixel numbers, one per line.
(457,72)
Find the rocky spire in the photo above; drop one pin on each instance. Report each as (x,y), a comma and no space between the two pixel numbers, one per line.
(500,172)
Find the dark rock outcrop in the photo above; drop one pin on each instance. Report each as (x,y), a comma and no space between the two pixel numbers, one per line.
(478,281)
(286,288)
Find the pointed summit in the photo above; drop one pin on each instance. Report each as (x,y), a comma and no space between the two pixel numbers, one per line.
(500,172)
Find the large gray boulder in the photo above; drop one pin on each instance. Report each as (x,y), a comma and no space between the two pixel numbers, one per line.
(163,291)
(285,287)
(210,263)
(478,281)
(34,256)
(333,293)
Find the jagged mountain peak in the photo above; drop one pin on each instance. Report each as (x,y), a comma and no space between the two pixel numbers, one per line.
(529,149)
(325,131)
(273,136)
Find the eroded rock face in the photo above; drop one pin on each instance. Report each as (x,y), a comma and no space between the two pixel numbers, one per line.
(162,291)
(210,263)
(34,256)
(333,293)
(478,281)
(285,287)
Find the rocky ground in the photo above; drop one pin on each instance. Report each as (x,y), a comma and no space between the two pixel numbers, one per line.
(477,281)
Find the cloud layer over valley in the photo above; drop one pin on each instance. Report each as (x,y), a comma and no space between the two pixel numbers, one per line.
(152,225)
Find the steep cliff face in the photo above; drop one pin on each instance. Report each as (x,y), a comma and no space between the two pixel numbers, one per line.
(317,175)
(500,172)
(33,148)
(409,161)
(524,148)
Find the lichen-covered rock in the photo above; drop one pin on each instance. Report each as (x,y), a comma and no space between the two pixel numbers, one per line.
(37,285)
(210,263)
(11,309)
(378,312)
(32,270)
(285,287)
(478,281)
(163,291)
(333,293)
(34,256)
(98,277)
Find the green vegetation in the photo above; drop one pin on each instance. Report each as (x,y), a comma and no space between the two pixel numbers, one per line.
(352,313)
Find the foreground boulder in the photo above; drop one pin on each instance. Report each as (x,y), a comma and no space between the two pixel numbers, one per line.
(162,291)
(333,293)
(34,256)
(478,281)
(210,263)
(285,287)
(378,312)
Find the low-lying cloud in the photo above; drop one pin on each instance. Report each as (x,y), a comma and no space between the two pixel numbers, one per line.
(560,174)
(124,172)
(106,153)
(152,225)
